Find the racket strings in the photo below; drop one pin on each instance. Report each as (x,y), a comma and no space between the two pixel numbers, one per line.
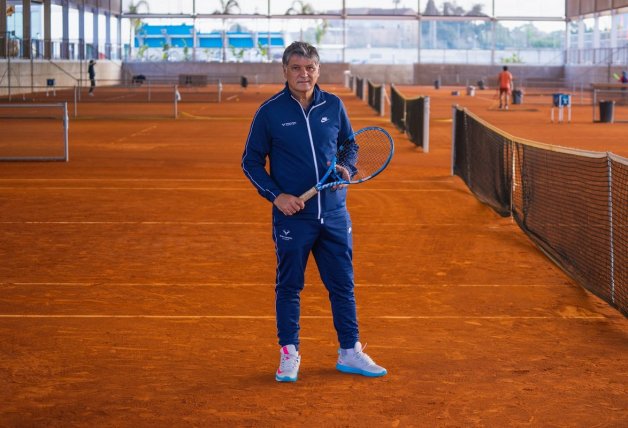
(367,154)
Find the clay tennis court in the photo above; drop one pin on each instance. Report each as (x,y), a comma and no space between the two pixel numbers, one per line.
(137,286)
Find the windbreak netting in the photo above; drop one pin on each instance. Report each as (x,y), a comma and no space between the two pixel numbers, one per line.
(411,116)
(573,204)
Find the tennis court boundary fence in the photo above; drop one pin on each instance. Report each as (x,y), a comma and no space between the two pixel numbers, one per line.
(410,116)
(573,204)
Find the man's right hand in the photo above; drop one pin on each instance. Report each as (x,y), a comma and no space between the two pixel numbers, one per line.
(289,204)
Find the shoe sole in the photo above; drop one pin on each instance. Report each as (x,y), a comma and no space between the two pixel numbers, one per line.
(285,378)
(353,370)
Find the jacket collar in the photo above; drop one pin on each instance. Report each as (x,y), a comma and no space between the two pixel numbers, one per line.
(317,96)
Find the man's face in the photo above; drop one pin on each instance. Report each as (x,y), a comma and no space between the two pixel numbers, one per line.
(301,74)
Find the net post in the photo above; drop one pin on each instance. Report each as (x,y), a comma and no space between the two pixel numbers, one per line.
(609,162)
(594,102)
(76,101)
(219,90)
(66,125)
(176,101)
(454,109)
(382,101)
(426,125)
(513,178)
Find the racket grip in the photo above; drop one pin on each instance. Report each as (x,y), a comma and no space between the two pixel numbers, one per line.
(308,195)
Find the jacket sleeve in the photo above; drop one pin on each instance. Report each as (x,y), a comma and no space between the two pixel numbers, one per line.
(254,159)
(345,125)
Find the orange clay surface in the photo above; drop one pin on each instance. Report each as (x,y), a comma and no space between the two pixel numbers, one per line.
(136,286)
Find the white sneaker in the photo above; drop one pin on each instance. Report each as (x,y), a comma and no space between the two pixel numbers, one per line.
(357,362)
(289,363)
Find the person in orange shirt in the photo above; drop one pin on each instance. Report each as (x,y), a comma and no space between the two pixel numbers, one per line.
(504,79)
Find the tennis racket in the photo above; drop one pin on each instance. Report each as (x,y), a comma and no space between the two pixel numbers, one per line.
(361,157)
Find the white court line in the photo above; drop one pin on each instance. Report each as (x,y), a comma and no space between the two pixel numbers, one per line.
(212,189)
(230,189)
(272,317)
(238,223)
(133,180)
(200,223)
(186,180)
(267,284)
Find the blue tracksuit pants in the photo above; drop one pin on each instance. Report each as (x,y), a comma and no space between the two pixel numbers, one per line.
(330,241)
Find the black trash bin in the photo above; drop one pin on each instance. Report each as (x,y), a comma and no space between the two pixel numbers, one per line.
(437,84)
(517,96)
(607,111)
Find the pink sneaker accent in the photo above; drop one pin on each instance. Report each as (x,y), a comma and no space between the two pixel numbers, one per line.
(289,363)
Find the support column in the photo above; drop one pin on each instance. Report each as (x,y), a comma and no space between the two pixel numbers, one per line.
(596,31)
(81,41)
(108,34)
(3,28)
(65,42)
(615,23)
(119,32)
(26,28)
(419,23)
(47,30)
(95,34)
(493,39)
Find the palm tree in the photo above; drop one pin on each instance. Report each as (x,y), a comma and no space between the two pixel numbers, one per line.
(136,23)
(300,7)
(227,7)
(396,3)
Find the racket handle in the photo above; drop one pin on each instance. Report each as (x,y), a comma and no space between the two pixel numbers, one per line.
(308,195)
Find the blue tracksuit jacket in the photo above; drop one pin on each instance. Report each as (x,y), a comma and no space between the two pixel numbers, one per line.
(299,144)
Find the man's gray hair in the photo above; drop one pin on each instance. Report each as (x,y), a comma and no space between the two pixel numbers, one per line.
(303,49)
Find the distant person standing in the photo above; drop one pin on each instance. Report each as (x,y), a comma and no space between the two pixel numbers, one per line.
(624,77)
(91,71)
(504,79)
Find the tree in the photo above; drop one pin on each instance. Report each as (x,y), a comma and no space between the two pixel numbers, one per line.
(227,7)
(396,3)
(136,23)
(299,7)
(320,31)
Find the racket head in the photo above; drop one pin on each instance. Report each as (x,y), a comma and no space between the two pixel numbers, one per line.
(365,154)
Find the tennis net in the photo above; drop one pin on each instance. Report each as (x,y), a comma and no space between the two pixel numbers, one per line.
(376,94)
(359,87)
(573,204)
(411,116)
(34,132)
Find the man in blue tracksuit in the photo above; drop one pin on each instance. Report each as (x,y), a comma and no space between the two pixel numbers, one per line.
(298,131)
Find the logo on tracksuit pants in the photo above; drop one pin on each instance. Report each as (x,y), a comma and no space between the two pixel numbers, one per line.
(285,235)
